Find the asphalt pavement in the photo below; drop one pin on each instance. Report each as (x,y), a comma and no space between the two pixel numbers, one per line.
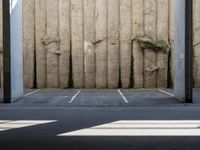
(100,120)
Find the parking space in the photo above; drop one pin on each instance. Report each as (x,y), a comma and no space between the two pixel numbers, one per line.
(26,93)
(150,97)
(97,98)
(100,97)
(47,97)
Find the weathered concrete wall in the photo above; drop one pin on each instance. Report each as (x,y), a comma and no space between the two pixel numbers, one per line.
(196,43)
(101,52)
(89,43)
(1,46)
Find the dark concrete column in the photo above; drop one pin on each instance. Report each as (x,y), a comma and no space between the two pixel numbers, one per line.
(189,51)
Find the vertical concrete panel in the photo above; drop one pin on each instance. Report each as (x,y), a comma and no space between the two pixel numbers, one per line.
(179,47)
(64,32)
(196,43)
(162,34)
(89,50)
(125,42)
(101,43)
(52,42)
(77,43)
(40,32)
(16,51)
(138,54)
(171,38)
(150,13)
(113,43)
(29,42)
(1,45)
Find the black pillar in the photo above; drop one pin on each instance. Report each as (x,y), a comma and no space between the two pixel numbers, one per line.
(189,51)
(6,52)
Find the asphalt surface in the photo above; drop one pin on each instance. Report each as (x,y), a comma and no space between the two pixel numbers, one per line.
(36,121)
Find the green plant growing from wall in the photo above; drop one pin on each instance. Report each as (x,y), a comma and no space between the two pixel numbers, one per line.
(147,42)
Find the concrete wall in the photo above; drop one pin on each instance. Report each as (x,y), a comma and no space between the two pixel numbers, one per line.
(89,43)
(196,44)
(1,47)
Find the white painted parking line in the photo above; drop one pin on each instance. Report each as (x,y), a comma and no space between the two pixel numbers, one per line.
(166,93)
(74,97)
(122,95)
(32,93)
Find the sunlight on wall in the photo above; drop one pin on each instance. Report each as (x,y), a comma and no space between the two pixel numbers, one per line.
(11,124)
(142,128)
(12,4)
